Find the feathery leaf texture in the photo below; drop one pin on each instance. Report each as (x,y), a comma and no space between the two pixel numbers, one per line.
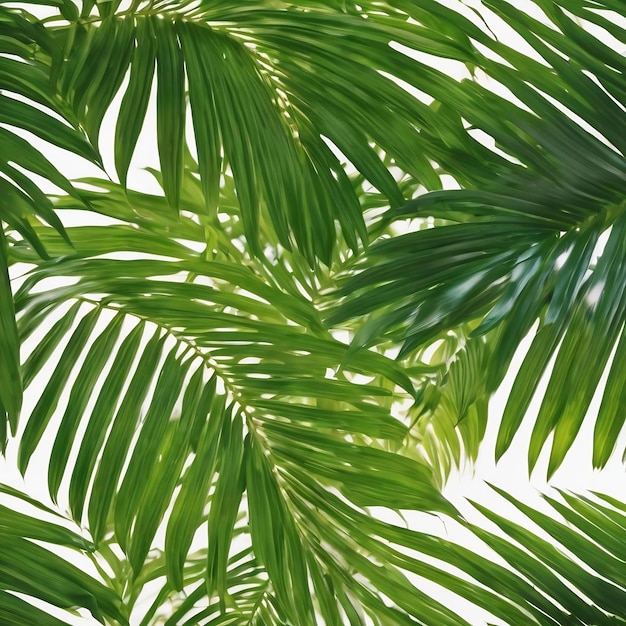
(522,247)
(228,380)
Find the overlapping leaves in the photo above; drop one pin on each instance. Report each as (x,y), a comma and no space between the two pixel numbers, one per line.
(31,567)
(449,416)
(230,422)
(576,563)
(199,392)
(521,248)
(26,104)
(201,370)
(267,102)
(550,569)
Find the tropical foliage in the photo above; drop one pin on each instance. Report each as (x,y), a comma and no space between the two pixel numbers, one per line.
(222,385)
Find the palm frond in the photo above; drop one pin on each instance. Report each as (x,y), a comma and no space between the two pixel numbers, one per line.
(32,568)
(199,366)
(248,597)
(267,102)
(577,564)
(178,362)
(27,51)
(234,414)
(27,104)
(10,379)
(522,247)
(449,417)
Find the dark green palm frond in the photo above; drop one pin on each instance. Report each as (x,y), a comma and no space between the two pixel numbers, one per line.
(576,559)
(26,104)
(562,567)
(247,435)
(268,103)
(10,379)
(27,51)
(182,369)
(573,575)
(39,556)
(521,248)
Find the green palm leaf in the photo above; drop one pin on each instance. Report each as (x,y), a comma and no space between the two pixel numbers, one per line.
(10,379)
(254,437)
(190,385)
(213,383)
(519,249)
(36,571)
(589,532)
(26,103)
(541,583)
(267,101)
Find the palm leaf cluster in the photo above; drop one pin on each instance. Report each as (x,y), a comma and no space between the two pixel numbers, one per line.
(521,247)
(226,381)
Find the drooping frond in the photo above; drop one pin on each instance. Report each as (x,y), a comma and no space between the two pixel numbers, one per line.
(27,51)
(194,381)
(268,102)
(576,564)
(541,241)
(27,105)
